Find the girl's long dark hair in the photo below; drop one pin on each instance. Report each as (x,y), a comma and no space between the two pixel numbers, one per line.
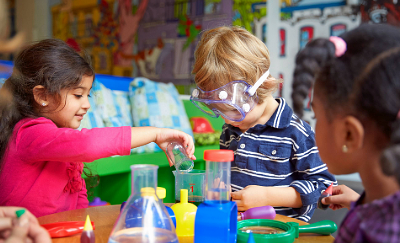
(364,82)
(50,63)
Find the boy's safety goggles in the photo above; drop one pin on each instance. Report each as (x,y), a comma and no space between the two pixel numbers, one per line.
(233,100)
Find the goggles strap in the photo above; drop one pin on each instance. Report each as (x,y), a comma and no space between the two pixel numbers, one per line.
(261,80)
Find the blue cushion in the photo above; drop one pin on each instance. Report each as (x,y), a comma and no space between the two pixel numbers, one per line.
(112,105)
(157,104)
(92,118)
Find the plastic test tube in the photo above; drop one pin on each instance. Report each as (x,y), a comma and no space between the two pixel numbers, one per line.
(218,175)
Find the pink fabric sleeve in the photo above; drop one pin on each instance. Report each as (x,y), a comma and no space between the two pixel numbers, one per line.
(41,140)
(82,197)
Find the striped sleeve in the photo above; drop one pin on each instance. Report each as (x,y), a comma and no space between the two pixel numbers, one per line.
(313,176)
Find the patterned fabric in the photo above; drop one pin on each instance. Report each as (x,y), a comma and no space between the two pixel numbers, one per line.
(280,153)
(93,117)
(112,105)
(157,104)
(74,171)
(378,221)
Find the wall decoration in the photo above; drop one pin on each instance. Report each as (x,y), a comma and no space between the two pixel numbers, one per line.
(107,33)
(177,23)
(338,29)
(186,28)
(380,11)
(156,39)
(246,12)
(298,22)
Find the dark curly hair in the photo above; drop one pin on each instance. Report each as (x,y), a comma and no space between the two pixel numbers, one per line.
(364,82)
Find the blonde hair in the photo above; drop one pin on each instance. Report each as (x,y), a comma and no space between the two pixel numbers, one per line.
(225,54)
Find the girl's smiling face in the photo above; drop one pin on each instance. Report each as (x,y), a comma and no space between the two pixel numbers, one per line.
(73,106)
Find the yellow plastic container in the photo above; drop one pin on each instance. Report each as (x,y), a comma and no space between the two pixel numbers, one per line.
(185,214)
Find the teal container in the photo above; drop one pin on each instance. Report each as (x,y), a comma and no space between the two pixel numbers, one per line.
(193,181)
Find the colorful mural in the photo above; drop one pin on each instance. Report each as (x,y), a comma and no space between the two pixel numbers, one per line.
(156,39)
(108,36)
(177,24)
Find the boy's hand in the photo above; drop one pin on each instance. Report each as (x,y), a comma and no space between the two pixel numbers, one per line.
(250,197)
(165,135)
(341,198)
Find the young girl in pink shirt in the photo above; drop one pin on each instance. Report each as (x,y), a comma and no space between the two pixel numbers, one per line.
(41,106)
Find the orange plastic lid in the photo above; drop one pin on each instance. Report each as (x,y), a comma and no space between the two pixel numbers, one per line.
(222,155)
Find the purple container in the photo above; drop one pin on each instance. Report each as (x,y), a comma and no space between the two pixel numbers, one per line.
(264,212)
(97,202)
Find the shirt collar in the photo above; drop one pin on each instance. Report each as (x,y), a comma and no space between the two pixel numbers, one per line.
(282,115)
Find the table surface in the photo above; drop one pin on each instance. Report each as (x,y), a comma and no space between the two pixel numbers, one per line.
(104,218)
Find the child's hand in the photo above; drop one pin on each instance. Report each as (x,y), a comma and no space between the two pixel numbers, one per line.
(165,135)
(341,198)
(250,197)
(24,229)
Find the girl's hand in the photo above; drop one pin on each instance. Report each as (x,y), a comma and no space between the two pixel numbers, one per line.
(250,197)
(165,135)
(342,197)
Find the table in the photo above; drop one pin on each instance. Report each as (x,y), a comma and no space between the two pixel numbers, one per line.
(104,218)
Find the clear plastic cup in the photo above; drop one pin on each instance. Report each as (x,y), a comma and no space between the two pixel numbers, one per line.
(177,154)
(193,181)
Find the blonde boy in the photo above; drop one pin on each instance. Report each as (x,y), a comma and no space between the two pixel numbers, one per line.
(276,160)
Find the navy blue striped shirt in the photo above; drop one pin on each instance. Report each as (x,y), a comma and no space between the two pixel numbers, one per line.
(280,153)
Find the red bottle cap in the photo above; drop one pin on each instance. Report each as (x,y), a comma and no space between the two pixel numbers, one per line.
(329,189)
(222,155)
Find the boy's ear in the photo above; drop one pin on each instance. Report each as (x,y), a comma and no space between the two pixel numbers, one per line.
(39,94)
(353,133)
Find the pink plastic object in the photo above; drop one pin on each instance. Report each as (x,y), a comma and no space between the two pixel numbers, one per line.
(329,189)
(264,212)
(67,228)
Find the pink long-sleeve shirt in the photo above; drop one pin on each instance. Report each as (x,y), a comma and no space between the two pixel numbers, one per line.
(42,167)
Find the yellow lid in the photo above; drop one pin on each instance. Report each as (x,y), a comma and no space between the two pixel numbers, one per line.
(88,225)
(149,191)
(161,192)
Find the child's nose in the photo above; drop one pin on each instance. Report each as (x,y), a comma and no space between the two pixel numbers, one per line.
(86,104)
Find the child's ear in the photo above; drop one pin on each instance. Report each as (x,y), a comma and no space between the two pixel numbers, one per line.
(39,94)
(353,134)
